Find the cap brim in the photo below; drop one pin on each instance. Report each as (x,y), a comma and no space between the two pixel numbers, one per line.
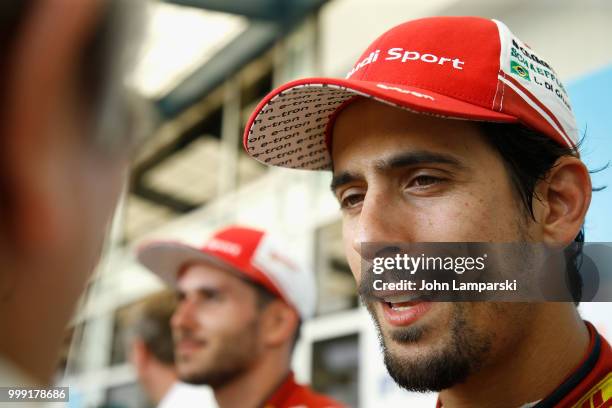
(289,126)
(165,259)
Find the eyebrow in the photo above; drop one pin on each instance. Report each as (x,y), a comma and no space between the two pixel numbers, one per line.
(202,291)
(407,159)
(400,160)
(342,179)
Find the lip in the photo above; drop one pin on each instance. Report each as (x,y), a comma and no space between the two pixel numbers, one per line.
(405,317)
(188,346)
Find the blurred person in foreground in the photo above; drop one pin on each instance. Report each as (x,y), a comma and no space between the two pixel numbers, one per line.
(151,352)
(451,129)
(242,300)
(65,133)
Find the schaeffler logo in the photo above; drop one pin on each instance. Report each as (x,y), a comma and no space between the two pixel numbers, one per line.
(406,56)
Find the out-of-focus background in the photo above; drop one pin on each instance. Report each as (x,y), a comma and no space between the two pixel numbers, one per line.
(205,65)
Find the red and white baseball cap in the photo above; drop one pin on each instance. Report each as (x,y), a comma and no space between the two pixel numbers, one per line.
(250,253)
(452,67)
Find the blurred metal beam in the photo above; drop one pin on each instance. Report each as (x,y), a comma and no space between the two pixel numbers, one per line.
(254,9)
(256,39)
(209,126)
(231,133)
(177,205)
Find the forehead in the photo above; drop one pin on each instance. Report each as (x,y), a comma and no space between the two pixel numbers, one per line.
(366,131)
(196,275)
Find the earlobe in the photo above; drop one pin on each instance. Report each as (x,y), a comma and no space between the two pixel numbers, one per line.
(566,195)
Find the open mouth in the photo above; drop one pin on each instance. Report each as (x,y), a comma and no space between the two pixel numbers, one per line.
(187,346)
(403,310)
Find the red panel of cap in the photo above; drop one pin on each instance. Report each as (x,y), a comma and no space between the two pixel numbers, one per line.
(464,67)
(236,247)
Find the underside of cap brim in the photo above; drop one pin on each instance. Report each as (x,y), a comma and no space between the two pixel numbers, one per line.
(290,127)
(165,259)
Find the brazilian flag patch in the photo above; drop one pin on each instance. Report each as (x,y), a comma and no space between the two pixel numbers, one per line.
(519,70)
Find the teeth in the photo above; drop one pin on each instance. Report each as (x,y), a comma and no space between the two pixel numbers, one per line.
(400,308)
(399,298)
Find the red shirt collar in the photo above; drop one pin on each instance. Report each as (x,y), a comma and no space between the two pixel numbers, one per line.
(595,363)
(283,392)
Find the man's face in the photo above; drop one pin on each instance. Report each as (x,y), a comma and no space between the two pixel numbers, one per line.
(402,177)
(215,326)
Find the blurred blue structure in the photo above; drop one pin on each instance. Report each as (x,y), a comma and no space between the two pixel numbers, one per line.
(590,95)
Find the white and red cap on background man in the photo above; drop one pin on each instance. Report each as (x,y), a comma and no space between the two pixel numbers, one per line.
(249,253)
(452,67)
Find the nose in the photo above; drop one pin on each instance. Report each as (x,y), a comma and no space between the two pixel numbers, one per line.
(183,316)
(380,222)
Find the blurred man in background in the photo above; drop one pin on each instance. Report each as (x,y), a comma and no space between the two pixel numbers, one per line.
(241,303)
(151,352)
(65,134)
(405,170)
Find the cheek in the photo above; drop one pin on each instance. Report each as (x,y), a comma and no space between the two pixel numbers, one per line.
(469,218)
(97,203)
(224,320)
(504,323)
(106,179)
(212,322)
(352,256)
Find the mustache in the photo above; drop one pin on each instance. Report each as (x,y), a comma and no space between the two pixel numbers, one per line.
(394,275)
(179,335)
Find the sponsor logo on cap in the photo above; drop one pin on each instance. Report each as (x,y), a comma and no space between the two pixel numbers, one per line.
(405,56)
(276,257)
(519,70)
(227,247)
(406,91)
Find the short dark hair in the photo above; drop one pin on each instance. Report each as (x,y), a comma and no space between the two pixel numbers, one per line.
(529,156)
(149,321)
(264,297)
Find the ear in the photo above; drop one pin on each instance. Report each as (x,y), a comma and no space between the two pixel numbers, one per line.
(38,75)
(565,197)
(279,322)
(139,355)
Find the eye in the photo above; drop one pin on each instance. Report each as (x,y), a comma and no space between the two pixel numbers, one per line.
(425,181)
(351,199)
(207,295)
(210,296)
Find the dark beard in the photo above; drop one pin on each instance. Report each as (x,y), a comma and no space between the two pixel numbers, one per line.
(235,357)
(218,376)
(446,367)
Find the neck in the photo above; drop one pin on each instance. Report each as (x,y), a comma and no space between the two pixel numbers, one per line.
(160,381)
(559,331)
(251,388)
